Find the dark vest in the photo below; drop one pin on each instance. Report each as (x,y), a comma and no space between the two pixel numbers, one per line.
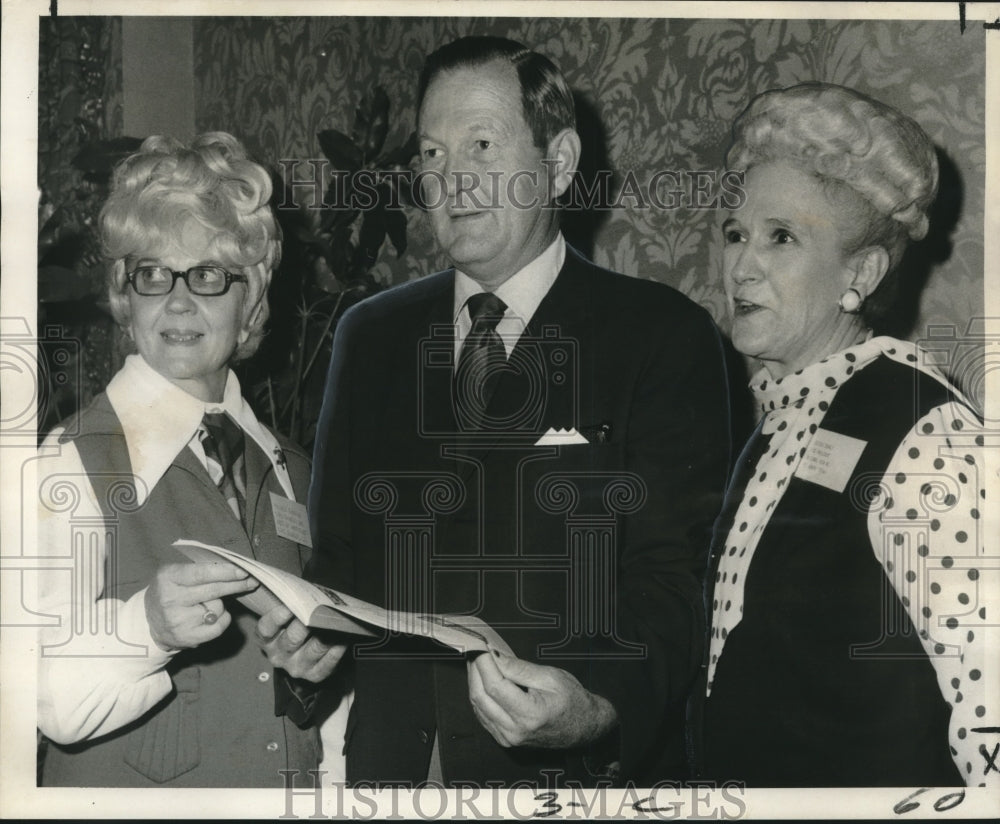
(217,727)
(824,682)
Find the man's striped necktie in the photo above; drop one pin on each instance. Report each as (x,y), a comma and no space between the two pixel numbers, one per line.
(480,361)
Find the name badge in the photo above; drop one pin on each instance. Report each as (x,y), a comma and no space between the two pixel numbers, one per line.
(830,459)
(290,520)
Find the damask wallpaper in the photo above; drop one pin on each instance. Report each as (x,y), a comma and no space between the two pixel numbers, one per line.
(80,103)
(653,95)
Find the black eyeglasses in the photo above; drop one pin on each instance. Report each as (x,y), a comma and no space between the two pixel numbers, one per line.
(207,281)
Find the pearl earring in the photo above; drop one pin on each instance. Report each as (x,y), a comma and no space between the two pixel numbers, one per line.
(850,302)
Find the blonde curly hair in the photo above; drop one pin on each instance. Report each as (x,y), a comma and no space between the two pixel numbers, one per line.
(165,184)
(855,145)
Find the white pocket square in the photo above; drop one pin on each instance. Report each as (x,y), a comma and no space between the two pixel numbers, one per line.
(560,437)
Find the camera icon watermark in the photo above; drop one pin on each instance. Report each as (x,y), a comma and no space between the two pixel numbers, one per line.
(519,389)
(967,358)
(34,369)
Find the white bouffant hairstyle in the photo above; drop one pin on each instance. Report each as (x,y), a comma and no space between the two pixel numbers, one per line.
(164,185)
(852,142)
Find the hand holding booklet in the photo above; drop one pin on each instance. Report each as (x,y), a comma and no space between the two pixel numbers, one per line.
(322,608)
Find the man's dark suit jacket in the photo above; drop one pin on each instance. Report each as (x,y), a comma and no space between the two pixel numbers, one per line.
(587,557)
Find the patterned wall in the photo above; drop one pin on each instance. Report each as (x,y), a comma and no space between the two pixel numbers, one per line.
(79,101)
(656,95)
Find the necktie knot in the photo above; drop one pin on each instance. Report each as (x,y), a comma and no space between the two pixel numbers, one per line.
(486,311)
(228,437)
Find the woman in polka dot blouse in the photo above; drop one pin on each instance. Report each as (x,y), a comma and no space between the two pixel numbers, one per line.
(848,580)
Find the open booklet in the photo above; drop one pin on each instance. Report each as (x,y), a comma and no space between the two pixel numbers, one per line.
(323,608)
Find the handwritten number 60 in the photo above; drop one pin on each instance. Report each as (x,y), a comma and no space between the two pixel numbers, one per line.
(943,804)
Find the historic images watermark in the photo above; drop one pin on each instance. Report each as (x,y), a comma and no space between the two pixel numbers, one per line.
(311,183)
(520,801)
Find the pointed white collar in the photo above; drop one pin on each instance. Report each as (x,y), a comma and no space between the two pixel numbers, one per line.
(159,419)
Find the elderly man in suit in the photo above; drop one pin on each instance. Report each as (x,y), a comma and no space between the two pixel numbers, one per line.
(527,438)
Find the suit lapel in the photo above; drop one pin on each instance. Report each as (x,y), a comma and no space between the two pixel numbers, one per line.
(257,465)
(187,461)
(434,364)
(560,322)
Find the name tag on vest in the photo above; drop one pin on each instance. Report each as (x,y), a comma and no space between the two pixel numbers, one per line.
(290,520)
(830,459)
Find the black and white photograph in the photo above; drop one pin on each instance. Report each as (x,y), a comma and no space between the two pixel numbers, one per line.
(461,410)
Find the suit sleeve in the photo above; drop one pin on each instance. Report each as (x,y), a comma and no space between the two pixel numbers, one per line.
(678,443)
(330,493)
(298,699)
(329,508)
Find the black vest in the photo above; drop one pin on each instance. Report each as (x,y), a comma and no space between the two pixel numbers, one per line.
(824,682)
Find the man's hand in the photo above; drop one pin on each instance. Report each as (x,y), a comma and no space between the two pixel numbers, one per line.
(525,704)
(181,595)
(289,644)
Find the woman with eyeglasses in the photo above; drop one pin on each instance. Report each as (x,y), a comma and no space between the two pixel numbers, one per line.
(152,673)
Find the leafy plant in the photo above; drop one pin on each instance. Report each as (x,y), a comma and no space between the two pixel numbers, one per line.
(71,270)
(329,251)
(70,267)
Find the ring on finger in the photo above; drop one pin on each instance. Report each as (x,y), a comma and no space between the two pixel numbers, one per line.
(209,617)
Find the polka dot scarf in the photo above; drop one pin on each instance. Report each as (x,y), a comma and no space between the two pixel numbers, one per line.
(793,407)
